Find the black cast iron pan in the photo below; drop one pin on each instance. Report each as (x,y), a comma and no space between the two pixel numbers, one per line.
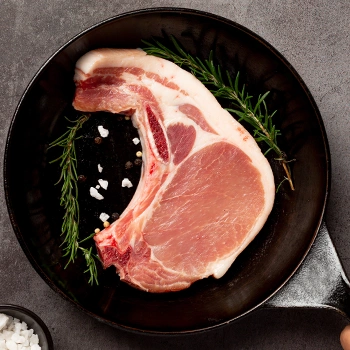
(269,261)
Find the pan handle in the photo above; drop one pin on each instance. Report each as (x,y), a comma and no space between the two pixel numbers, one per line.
(320,282)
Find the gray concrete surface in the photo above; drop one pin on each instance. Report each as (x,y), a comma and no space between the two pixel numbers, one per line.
(313,35)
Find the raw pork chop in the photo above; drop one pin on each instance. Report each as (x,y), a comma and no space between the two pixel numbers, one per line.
(205,190)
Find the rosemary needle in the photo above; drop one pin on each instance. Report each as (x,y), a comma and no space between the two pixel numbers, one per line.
(69,198)
(210,75)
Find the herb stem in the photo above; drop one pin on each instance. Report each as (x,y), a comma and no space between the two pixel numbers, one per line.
(69,198)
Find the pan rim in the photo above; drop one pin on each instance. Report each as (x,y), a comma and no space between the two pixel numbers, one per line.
(145,11)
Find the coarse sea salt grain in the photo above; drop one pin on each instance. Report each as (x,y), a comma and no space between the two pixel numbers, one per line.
(3,321)
(99,168)
(126,183)
(15,335)
(103,132)
(103,183)
(104,217)
(19,339)
(94,193)
(136,141)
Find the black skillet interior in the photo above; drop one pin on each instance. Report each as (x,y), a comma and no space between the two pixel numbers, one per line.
(33,201)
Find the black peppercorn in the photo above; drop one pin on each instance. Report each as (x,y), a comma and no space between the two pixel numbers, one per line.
(115,216)
(81,178)
(138,161)
(128,165)
(98,140)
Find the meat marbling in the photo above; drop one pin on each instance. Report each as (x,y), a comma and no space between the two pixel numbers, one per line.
(205,190)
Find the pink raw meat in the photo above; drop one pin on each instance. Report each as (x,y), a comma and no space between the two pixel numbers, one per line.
(206,189)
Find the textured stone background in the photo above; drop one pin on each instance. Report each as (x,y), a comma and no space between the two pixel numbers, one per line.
(313,35)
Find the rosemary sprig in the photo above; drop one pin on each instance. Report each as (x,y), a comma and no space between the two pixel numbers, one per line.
(69,198)
(256,114)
